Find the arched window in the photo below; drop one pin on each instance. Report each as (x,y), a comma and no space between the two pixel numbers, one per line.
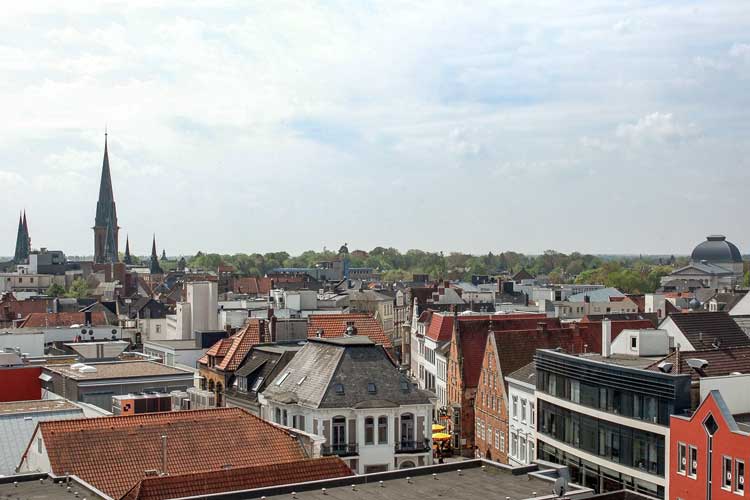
(383,430)
(369,430)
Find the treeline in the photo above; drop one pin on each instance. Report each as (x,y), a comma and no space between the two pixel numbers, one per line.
(629,274)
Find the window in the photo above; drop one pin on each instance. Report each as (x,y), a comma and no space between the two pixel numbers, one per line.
(339,388)
(282,378)
(256,384)
(489,435)
(284,418)
(369,430)
(634,343)
(726,473)
(298,422)
(301,380)
(523,411)
(532,415)
(39,445)
(513,444)
(371,388)
(515,407)
(278,415)
(681,458)
(502,441)
(158,328)
(693,462)
(522,449)
(497,439)
(739,477)
(382,430)
(532,456)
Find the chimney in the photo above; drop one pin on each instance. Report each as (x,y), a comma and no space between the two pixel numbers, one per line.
(164,455)
(606,338)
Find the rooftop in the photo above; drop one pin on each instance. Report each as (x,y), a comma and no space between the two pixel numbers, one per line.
(476,479)
(113,453)
(335,325)
(720,362)
(117,369)
(622,360)
(35,406)
(704,329)
(29,486)
(178,345)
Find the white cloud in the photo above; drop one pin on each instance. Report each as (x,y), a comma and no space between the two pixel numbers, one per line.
(657,127)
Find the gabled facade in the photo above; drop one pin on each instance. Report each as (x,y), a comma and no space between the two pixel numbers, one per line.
(491,407)
(349,391)
(710,453)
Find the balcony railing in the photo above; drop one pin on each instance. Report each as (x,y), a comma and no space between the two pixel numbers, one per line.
(413,446)
(342,450)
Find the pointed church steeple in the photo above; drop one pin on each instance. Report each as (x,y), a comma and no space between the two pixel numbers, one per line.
(127,259)
(23,242)
(154,267)
(106,229)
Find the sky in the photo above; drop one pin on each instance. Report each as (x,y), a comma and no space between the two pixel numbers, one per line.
(594,126)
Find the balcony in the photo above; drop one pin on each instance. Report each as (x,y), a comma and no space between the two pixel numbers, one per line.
(341,450)
(413,446)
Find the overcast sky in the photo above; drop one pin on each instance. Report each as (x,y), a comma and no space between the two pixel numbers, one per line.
(606,127)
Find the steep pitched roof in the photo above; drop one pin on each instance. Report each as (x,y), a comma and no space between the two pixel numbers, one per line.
(353,363)
(334,325)
(238,479)
(253,285)
(441,327)
(62,319)
(112,453)
(232,350)
(702,329)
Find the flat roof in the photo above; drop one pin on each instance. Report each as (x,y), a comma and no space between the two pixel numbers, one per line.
(623,360)
(177,345)
(477,479)
(30,486)
(119,369)
(35,406)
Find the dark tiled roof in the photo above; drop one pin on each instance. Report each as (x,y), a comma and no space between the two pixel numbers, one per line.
(238,479)
(112,453)
(334,325)
(703,329)
(720,362)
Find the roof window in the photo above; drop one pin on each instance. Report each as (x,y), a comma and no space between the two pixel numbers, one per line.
(371,388)
(339,388)
(282,378)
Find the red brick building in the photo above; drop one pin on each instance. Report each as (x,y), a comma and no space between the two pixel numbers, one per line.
(709,452)
(491,407)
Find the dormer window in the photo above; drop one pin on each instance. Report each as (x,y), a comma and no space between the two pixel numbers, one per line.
(371,388)
(405,386)
(256,384)
(339,388)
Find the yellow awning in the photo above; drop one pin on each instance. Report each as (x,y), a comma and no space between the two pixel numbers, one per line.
(441,436)
(438,428)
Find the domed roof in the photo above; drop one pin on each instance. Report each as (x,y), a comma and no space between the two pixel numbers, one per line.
(716,249)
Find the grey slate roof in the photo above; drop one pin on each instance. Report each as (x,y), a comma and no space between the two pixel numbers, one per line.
(705,268)
(16,429)
(599,295)
(313,376)
(525,374)
(703,329)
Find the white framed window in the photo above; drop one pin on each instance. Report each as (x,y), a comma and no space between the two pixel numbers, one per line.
(532,415)
(532,451)
(739,477)
(497,439)
(489,435)
(522,449)
(692,462)
(523,411)
(513,444)
(726,473)
(681,458)
(515,407)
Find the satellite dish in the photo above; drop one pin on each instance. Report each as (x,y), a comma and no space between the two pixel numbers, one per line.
(560,487)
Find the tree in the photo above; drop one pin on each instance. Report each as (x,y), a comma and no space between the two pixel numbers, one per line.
(55,290)
(79,289)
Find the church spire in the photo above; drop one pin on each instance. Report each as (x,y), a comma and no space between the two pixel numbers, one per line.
(127,259)
(23,242)
(154,267)
(105,225)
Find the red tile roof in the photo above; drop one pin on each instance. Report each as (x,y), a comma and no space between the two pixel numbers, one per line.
(232,350)
(63,319)
(334,325)
(253,285)
(441,327)
(721,362)
(113,453)
(238,479)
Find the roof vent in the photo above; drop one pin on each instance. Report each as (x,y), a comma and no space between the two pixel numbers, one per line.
(665,367)
(699,365)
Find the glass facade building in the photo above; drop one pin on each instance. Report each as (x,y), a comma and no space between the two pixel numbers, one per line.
(607,418)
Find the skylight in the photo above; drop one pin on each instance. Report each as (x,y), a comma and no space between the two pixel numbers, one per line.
(282,378)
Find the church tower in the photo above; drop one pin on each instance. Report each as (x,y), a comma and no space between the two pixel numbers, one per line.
(154,267)
(105,228)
